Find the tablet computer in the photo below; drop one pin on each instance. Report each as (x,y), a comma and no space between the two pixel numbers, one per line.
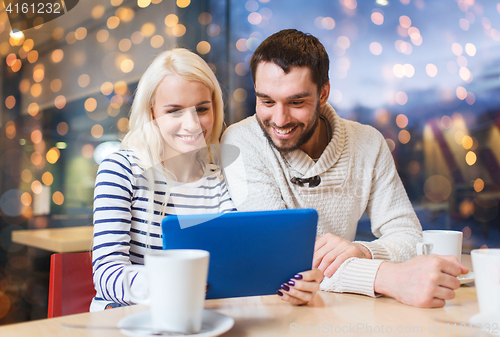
(251,253)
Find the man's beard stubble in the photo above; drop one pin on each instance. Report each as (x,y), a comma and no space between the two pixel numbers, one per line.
(304,138)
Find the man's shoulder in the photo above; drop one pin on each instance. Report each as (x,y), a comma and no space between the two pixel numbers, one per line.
(362,133)
(244,132)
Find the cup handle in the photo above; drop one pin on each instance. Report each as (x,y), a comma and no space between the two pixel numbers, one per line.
(127,282)
(423,248)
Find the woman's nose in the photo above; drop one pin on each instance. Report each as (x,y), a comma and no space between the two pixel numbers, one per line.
(190,121)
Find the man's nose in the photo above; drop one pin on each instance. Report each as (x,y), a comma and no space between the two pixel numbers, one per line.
(281,115)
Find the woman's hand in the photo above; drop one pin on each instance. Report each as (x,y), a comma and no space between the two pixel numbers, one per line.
(302,288)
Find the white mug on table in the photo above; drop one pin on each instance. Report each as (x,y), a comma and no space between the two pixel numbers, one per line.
(486,263)
(177,282)
(441,242)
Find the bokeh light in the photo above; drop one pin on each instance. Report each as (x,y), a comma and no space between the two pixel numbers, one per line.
(62,128)
(56,85)
(240,95)
(204,18)
(90,104)
(157,41)
(122,124)
(57,55)
(98,12)
(10,102)
(60,102)
(470,158)
(402,121)
(36,187)
(446,122)
(179,30)
(143,3)
(470,49)
(58,198)
(47,179)
(203,47)
(97,131)
(401,98)
(467,142)
(26,199)
(26,176)
(53,155)
(461,93)
(87,151)
(83,80)
(437,188)
(478,185)
(404,136)
(113,22)
(171,20)
(377,18)
(10,129)
(414,167)
(431,70)
(11,205)
(36,136)
(183,3)
(375,48)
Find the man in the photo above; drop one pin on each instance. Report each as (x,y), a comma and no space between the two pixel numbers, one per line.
(296,152)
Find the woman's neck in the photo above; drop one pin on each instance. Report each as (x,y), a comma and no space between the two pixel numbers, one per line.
(185,167)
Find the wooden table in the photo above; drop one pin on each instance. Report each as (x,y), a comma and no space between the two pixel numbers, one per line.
(269,316)
(59,240)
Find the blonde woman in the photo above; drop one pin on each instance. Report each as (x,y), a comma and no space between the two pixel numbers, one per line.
(164,167)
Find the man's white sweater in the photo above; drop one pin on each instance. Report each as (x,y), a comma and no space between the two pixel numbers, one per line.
(357,174)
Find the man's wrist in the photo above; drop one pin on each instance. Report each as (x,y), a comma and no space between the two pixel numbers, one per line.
(380,285)
(364,250)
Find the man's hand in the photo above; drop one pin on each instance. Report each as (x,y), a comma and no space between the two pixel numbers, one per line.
(330,251)
(425,281)
(302,288)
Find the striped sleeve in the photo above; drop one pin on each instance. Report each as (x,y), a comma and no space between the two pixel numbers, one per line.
(112,223)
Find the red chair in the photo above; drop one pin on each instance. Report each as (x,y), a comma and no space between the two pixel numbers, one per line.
(71,287)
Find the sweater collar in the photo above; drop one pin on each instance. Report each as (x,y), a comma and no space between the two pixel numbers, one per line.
(303,165)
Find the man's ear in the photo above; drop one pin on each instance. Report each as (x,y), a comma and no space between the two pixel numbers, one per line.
(324,94)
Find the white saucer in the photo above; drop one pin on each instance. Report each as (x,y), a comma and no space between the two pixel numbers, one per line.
(489,323)
(467,278)
(213,324)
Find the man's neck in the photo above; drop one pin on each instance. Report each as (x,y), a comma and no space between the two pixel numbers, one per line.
(318,142)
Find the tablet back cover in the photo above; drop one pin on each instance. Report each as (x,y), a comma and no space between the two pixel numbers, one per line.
(251,253)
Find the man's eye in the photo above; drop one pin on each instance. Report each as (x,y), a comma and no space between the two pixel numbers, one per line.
(297,103)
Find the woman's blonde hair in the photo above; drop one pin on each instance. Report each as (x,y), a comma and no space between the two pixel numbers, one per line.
(144,136)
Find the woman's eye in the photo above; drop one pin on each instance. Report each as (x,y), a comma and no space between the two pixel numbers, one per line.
(202,111)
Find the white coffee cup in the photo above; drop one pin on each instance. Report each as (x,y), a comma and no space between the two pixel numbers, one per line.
(177,282)
(441,242)
(486,265)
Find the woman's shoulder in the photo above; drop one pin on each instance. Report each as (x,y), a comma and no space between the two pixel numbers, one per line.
(121,160)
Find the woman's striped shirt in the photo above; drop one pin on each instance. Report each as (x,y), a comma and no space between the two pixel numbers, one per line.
(121,218)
